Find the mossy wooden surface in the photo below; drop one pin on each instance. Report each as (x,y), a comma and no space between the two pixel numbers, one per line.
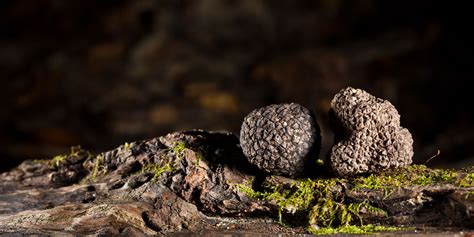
(327,208)
(196,181)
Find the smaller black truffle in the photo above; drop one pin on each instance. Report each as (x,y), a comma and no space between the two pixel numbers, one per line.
(280,139)
(368,134)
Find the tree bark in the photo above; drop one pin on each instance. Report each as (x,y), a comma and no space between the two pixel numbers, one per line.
(187,181)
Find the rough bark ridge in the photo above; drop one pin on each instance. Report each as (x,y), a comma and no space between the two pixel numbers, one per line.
(187,181)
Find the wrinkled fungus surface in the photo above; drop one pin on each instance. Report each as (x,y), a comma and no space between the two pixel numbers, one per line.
(368,134)
(280,139)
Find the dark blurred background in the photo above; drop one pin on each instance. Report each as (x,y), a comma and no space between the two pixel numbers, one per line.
(101,73)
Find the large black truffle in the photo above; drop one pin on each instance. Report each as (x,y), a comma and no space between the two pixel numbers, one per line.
(281,139)
(368,134)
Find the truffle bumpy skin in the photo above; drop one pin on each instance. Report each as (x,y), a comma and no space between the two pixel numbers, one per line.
(368,134)
(280,139)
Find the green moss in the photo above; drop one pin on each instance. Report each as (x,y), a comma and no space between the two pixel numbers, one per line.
(407,176)
(443,175)
(77,150)
(250,192)
(353,229)
(167,164)
(326,208)
(299,196)
(328,212)
(127,146)
(178,148)
(467,181)
(312,196)
(56,161)
(98,168)
(158,170)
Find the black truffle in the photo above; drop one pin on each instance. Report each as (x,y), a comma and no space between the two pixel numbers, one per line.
(368,134)
(280,139)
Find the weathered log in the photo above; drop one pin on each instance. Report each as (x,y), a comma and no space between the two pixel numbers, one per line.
(197,180)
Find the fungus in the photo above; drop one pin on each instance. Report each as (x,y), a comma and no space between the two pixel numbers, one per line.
(368,135)
(280,139)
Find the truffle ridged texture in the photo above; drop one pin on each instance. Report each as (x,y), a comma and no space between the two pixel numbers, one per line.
(280,139)
(368,134)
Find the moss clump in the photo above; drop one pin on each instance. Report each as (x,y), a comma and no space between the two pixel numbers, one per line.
(158,170)
(76,151)
(324,206)
(98,168)
(169,165)
(177,149)
(352,229)
(329,213)
(299,196)
(407,176)
(127,146)
(56,161)
(467,181)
